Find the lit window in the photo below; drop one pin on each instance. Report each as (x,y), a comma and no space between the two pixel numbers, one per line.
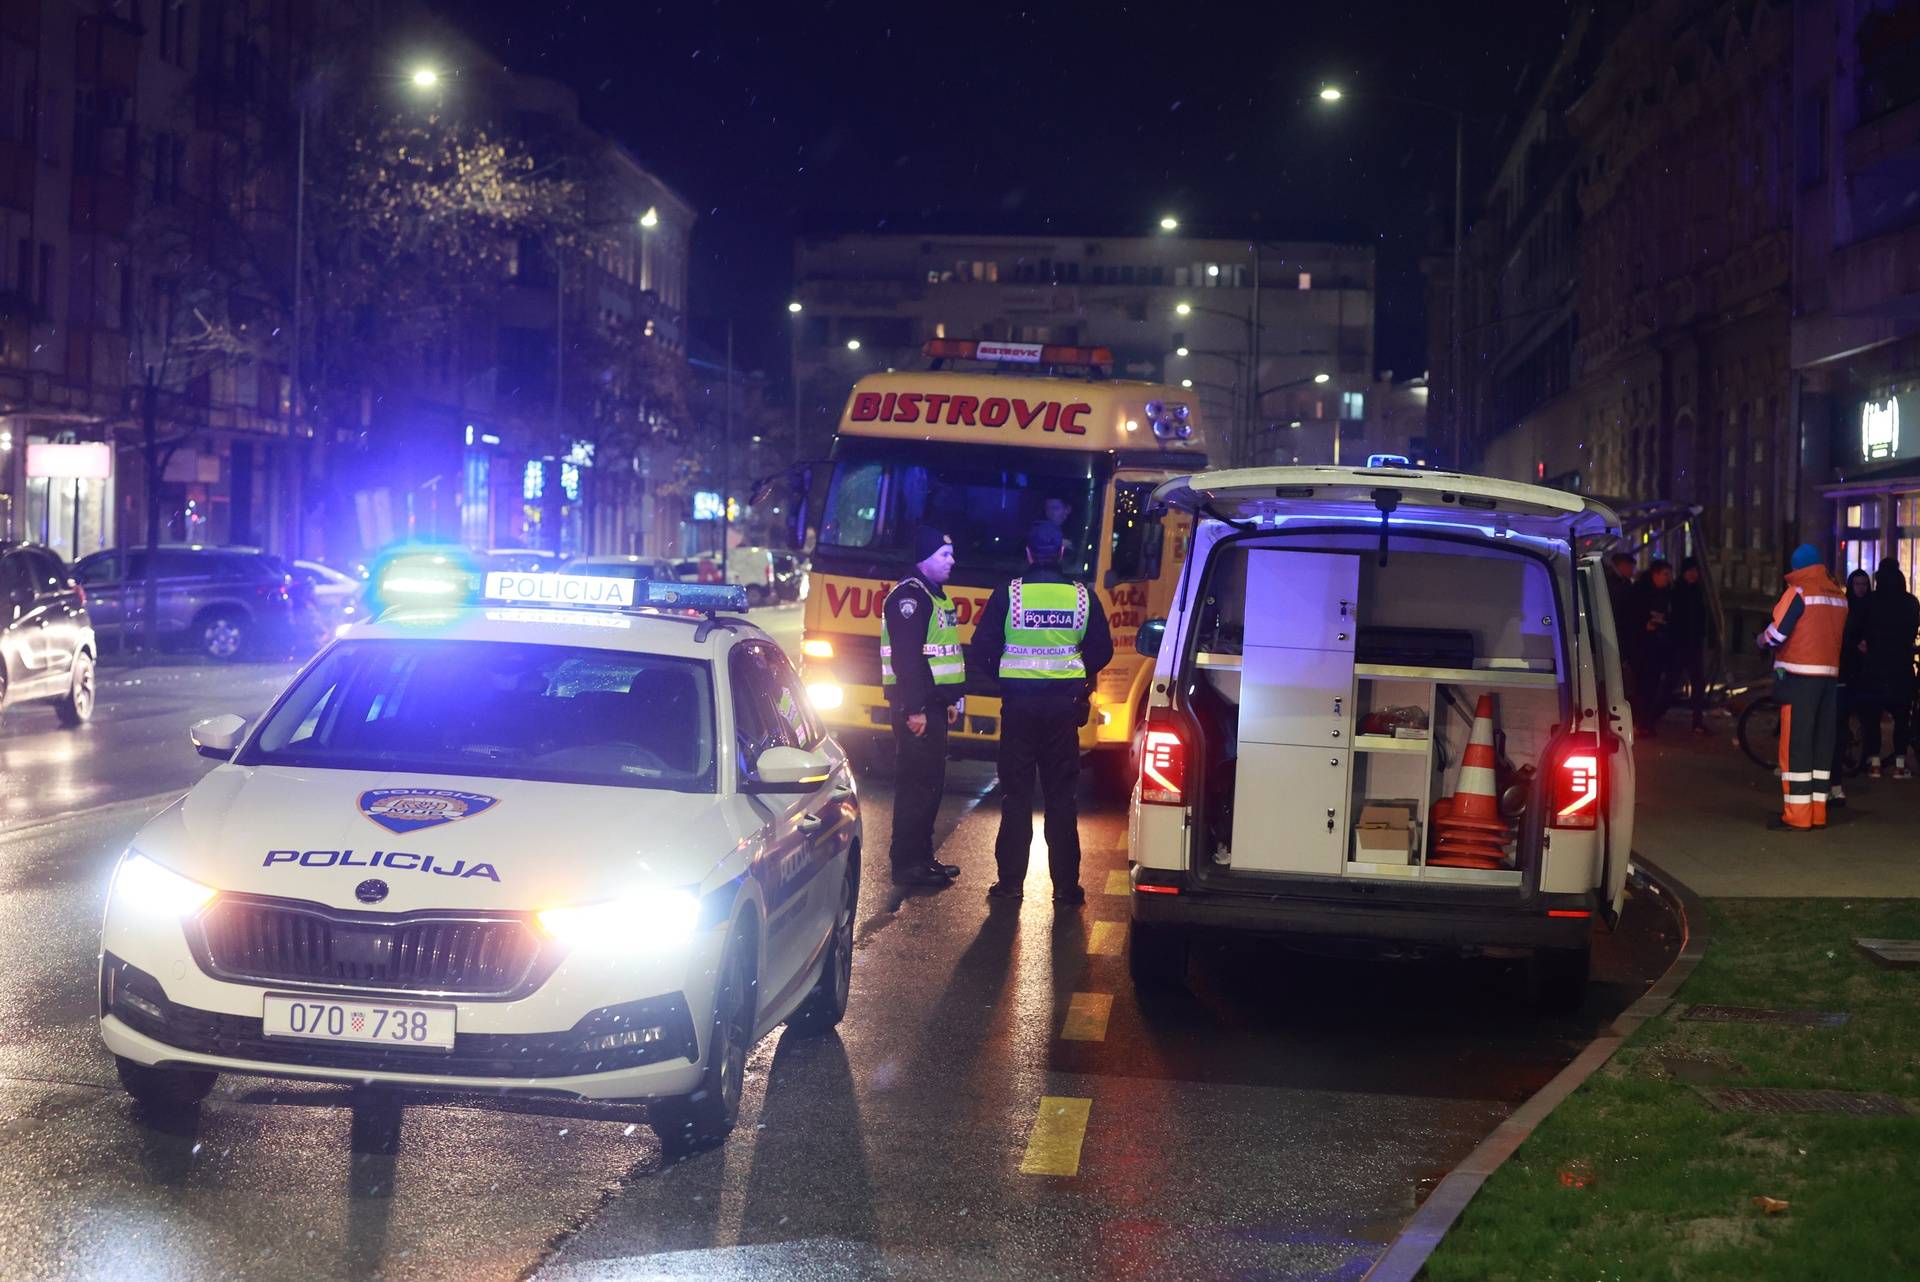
(1306,280)
(939,329)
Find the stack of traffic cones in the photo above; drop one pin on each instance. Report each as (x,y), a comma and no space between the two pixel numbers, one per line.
(1470,831)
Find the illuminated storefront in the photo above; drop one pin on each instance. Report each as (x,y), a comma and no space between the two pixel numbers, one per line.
(1876,500)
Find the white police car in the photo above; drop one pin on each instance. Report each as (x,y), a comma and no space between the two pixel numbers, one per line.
(541,844)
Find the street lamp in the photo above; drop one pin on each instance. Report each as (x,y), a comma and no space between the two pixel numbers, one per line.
(853,344)
(651,218)
(1333,93)
(794,309)
(425,77)
(1180,351)
(1322,378)
(1169,223)
(1183,309)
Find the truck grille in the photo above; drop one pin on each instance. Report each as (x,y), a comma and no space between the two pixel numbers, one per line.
(268,941)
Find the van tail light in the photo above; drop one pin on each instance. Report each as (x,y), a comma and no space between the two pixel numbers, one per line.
(1166,745)
(1576,783)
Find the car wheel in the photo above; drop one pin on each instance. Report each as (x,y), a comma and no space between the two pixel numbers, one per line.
(164,1089)
(1557,979)
(826,1005)
(1157,955)
(690,1123)
(223,636)
(77,708)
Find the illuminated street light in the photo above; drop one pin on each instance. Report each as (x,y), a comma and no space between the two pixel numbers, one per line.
(1183,309)
(1330,93)
(794,308)
(1169,223)
(1321,378)
(651,218)
(853,344)
(1179,351)
(1186,382)
(425,77)
(1213,269)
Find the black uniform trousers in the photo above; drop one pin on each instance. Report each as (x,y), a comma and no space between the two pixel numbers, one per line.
(920,777)
(1040,734)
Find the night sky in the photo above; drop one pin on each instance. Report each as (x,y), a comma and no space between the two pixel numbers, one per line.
(1064,116)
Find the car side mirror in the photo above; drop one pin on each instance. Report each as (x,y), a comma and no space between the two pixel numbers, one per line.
(1146,642)
(217,737)
(784,769)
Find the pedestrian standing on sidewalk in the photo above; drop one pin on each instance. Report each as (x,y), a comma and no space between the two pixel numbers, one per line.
(1040,643)
(1892,620)
(1854,699)
(1809,623)
(1693,638)
(1651,610)
(923,673)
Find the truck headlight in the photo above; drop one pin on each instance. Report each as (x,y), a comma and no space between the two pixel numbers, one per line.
(142,885)
(647,921)
(826,695)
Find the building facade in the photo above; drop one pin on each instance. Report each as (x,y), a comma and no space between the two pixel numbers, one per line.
(1856,270)
(1172,308)
(133,142)
(1660,295)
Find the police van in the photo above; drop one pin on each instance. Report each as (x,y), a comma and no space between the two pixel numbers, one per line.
(584,838)
(1386,710)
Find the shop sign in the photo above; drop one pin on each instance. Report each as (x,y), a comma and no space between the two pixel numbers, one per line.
(1880,430)
(87,461)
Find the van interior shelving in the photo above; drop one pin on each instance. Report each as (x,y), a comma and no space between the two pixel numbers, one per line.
(1341,714)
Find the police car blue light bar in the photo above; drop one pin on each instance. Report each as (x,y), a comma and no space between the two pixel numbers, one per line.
(707,598)
(1388,460)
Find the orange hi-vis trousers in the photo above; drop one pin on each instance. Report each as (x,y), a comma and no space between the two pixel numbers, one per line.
(1809,720)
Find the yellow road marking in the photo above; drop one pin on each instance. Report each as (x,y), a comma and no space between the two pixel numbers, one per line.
(1087,1015)
(1058,1131)
(1119,883)
(1106,938)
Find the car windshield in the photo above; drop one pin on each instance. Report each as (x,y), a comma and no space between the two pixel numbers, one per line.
(504,709)
(986,500)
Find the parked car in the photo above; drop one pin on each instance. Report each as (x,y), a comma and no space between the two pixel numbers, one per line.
(521,560)
(47,646)
(226,603)
(638,568)
(791,574)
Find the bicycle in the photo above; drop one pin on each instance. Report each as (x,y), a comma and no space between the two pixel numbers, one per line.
(1759,736)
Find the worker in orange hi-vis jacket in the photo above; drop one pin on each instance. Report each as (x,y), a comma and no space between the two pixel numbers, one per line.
(1809,623)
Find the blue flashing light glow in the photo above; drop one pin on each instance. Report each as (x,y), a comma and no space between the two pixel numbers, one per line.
(1387,460)
(706,505)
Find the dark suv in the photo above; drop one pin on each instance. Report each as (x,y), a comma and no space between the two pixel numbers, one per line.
(226,603)
(46,639)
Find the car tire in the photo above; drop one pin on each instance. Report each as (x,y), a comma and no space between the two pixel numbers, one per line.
(164,1089)
(1157,955)
(826,1005)
(222,635)
(690,1123)
(1557,979)
(76,709)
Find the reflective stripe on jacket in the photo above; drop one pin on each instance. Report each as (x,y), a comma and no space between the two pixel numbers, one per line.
(1809,624)
(1046,626)
(942,647)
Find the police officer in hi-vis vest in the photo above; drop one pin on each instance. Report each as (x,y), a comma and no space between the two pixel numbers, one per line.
(924,675)
(1039,645)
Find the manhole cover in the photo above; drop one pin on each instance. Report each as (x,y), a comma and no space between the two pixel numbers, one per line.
(1760,1015)
(1761,1099)
(1894,954)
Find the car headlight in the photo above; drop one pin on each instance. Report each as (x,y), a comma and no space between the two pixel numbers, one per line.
(141,884)
(645,921)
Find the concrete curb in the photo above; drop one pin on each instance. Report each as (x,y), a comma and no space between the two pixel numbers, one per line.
(1407,1255)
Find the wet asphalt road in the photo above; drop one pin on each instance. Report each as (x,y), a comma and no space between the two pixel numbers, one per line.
(1274,1122)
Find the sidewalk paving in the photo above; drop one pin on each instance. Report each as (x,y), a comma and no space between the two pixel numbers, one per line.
(1702,812)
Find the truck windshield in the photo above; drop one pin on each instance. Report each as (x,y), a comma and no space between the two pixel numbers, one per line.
(556,713)
(985,499)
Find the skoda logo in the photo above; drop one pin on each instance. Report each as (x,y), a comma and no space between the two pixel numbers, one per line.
(370,891)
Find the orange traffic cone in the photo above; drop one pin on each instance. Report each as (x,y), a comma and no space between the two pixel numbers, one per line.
(1469,828)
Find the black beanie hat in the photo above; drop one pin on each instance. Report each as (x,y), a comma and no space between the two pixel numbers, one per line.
(927,541)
